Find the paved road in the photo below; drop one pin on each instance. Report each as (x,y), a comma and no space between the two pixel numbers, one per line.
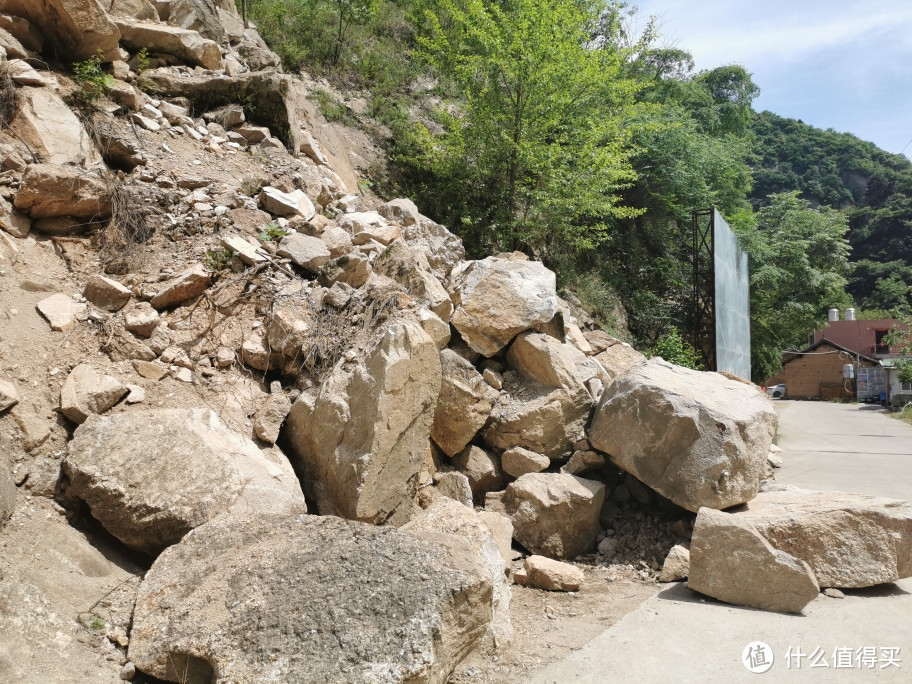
(852,447)
(678,636)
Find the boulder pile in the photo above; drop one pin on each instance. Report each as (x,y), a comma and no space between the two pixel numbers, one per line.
(326,433)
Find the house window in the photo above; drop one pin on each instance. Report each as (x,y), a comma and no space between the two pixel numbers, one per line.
(879,346)
(905,387)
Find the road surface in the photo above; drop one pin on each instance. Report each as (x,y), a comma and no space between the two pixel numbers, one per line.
(679,636)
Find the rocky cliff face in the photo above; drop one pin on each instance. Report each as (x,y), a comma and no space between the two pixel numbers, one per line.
(236,372)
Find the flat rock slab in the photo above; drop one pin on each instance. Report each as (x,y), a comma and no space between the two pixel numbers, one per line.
(189,284)
(732,562)
(106,293)
(152,476)
(549,574)
(306,599)
(62,312)
(49,190)
(850,540)
(697,438)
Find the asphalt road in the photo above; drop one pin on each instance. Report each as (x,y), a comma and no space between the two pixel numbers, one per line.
(679,636)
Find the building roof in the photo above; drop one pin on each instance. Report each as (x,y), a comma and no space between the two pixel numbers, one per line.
(791,354)
(856,336)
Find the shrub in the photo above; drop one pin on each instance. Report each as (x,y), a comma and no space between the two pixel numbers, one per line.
(92,81)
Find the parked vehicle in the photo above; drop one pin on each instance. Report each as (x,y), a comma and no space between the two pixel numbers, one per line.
(776,391)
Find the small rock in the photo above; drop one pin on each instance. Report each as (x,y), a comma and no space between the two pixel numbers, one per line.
(189,284)
(137,394)
(224,357)
(106,293)
(150,370)
(677,564)
(338,295)
(9,397)
(550,575)
(249,254)
(128,671)
(493,378)
(62,312)
(309,253)
(269,419)
(833,593)
(86,392)
(141,319)
(581,461)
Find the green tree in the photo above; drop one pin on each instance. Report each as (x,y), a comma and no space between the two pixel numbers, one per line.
(534,153)
(798,260)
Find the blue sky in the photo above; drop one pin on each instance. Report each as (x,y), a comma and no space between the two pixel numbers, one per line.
(831,63)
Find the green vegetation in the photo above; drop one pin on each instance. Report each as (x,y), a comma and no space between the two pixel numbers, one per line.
(555,128)
(93,82)
(674,349)
(272,231)
(221,259)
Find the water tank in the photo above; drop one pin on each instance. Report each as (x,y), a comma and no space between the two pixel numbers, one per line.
(848,371)
(833,315)
(850,314)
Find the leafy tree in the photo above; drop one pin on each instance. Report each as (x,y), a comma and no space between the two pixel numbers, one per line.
(798,259)
(536,150)
(675,349)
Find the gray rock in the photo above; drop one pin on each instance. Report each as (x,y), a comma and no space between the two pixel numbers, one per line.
(482,469)
(141,319)
(307,598)
(87,392)
(677,564)
(410,269)
(361,435)
(730,561)
(518,462)
(267,423)
(307,252)
(455,486)
(555,515)
(152,476)
(465,403)
(697,438)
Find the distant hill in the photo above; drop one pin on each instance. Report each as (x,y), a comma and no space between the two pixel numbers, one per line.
(841,171)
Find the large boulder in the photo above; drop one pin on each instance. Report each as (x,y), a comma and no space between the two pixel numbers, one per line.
(554,363)
(201,16)
(499,297)
(361,436)
(152,476)
(188,46)
(56,190)
(544,420)
(410,269)
(78,29)
(555,515)
(442,248)
(308,599)
(51,130)
(848,540)
(697,438)
(732,562)
(464,405)
(445,519)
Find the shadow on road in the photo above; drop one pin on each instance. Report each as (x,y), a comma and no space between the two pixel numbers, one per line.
(680,592)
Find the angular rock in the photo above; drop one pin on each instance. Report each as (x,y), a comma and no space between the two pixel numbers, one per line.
(732,562)
(454,485)
(51,129)
(848,540)
(482,469)
(106,294)
(369,225)
(269,419)
(696,438)
(517,462)
(337,601)
(410,269)
(552,363)
(550,575)
(337,241)
(618,358)
(502,529)
(189,469)
(464,405)
(310,253)
(9,397)
(188,46)
(361,436)
(78,29)
(352,269)
(403,211)
(499,297)
(14,221)
(444,520)
(280,203)
(286,331)
(54,190)
(676,565)
(435,327)
(311,148)
(581,461)
(256,353)
(87,392)
(141,319)
(189,284)
(555,515)
(249,254)
(200,16)
(442,248)
(543,420)
(61,311)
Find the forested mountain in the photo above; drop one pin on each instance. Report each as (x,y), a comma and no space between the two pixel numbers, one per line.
(567,130)
(840,171)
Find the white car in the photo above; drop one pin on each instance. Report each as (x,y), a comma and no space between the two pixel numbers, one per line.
(776,391)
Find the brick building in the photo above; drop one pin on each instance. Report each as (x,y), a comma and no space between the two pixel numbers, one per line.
(817,371)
